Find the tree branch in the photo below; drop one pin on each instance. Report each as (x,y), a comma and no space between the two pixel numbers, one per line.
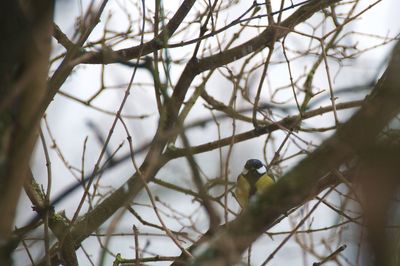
(294,187)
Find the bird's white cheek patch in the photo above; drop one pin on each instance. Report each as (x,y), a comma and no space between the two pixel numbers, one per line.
(261,170)
(245,171)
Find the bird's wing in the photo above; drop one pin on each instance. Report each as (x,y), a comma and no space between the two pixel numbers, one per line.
(242,191)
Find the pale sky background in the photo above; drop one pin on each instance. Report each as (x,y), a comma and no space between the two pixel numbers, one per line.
(68,121)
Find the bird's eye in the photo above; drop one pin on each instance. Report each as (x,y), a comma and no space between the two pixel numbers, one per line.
(262,170)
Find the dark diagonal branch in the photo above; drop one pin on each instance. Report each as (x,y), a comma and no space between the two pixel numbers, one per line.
(149,47)
(294,187)
(154,160)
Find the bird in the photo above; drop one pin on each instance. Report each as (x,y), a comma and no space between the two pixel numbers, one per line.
(253,179)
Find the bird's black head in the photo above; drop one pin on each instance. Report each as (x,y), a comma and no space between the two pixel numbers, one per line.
(253,164)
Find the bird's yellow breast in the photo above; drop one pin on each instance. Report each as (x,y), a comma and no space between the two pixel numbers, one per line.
(243,188)
(263,182)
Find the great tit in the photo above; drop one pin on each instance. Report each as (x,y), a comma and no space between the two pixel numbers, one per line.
(253,179)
